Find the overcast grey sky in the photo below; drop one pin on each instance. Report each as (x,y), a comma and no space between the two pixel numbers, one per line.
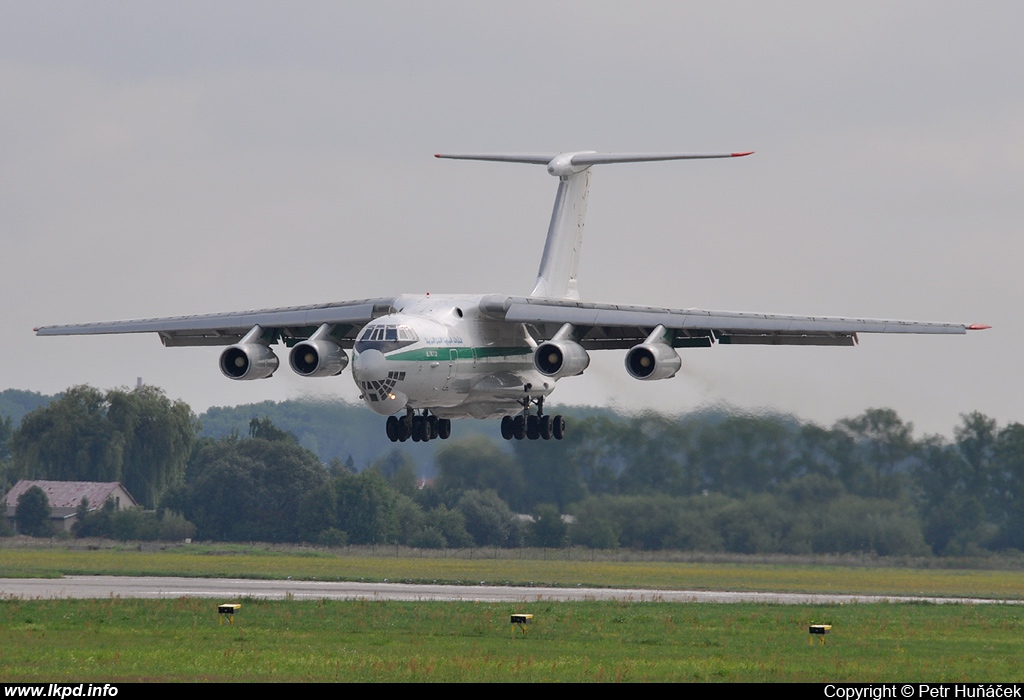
(169,158)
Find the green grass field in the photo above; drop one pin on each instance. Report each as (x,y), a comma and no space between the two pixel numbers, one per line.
(558,568)
(181,640)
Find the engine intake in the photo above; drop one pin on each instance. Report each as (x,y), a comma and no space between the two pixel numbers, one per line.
(650,361)
(318,358)
(561,358)
(248,361)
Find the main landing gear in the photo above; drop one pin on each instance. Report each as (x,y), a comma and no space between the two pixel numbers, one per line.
(532,427)
(420,428)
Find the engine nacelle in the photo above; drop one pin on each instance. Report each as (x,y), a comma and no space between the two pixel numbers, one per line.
(318,358)
(650,361)
(248,361)
(560,358)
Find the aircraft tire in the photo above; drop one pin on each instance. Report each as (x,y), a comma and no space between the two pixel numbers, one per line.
(518,427)
(444,428)
(391,428)
(417,429)
(506,427)
(532,427)
(558,427)
(545,427)
(404,429)
(431,427)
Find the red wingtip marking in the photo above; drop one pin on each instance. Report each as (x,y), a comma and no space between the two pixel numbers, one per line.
(437,155)
(740,155)
(978,327)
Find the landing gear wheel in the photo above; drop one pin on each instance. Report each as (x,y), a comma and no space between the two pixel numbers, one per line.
(532,427)
(558,427)
(444,428)
(391,428)
(431,427)
(418,432)
(518,427)
(545,427)
(506,427)
(404,428)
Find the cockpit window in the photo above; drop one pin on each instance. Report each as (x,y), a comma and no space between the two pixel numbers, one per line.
(386,338)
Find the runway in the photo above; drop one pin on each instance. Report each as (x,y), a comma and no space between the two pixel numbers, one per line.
(230,589)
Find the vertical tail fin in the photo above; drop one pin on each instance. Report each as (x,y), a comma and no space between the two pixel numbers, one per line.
(556,278)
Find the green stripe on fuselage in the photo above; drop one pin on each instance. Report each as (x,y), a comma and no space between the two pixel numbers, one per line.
(444,353)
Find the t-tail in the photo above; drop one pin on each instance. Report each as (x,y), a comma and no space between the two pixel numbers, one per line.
(556,278)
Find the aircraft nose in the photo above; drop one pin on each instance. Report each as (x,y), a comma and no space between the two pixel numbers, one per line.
(370,366)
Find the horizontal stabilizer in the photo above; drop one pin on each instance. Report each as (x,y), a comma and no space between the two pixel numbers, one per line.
(556,278)
(604,158)
(586,158)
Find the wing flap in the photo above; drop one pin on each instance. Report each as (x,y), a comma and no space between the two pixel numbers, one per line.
(779,339)
(529,158)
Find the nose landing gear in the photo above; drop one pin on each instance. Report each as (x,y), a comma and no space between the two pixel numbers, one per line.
(532,427)
(421,428)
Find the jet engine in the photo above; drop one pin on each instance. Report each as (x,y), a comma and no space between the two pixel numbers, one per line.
(649,361)
(248,361)
(318,358)
(560,358)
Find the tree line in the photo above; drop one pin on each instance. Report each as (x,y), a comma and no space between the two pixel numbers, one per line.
(711,481)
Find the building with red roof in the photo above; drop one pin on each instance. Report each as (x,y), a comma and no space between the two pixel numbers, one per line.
(66,496)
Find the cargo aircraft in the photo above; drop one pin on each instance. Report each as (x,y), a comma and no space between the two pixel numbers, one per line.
(424,359)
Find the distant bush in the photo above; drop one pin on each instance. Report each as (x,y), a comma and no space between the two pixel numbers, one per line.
(32,514)
(132,524)
(332,537)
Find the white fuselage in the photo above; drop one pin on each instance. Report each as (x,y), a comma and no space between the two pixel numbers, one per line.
(438,352)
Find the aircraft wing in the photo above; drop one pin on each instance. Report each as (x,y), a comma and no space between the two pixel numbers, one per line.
(289,323)
(616,326)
